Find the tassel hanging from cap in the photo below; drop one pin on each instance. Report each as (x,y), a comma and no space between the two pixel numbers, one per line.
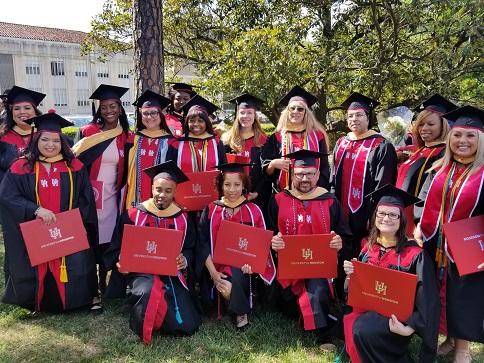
(63,270)
(177,310)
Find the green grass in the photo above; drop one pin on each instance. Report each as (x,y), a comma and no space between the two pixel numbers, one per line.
(81,337)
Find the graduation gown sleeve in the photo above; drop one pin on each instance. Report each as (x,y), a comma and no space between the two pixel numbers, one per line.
(204,245)
(111,256)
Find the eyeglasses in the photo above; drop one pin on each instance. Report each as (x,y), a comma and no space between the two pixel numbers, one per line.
(392,216)
(356,115)
(152,114)
(302,175)
(296,109)
(197,121)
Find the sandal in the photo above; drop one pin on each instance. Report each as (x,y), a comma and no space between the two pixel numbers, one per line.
(462,356)
(446,347)
(97,308)
(241,322)
(32,315)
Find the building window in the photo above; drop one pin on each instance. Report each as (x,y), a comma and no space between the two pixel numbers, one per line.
(32,66)
(83,97)
(102,71)
(102,75)
(81,73)
(125,100)
(81,68)
(60,97)
(57,68)
(123,70)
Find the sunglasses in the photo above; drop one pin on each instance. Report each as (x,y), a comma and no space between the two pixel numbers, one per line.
(296,109)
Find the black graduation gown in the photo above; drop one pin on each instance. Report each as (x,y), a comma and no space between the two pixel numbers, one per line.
(409,181)
(272,150)
(318,290)
(148,287)
(381,169)
(374,341)
(17,196)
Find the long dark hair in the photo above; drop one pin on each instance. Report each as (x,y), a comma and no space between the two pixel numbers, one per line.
(32,153)
(123,119)
(219,182)
(401,234)
(202,116)
(9,123)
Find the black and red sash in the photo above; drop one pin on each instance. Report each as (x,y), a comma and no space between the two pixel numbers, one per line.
(352,157)
(249,214)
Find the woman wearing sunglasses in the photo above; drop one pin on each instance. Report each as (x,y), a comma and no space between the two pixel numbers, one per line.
(297,129)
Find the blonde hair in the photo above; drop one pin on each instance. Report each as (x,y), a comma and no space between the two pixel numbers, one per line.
(444,128)
(233,137)
(309,121)
(448,156)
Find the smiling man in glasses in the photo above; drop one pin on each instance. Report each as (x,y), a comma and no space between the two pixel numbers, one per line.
(301,210)
(363,161)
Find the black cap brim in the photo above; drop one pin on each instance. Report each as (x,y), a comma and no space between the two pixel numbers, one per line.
(199,103)
(182,87)
(467,116)
(247,100)
(304,158)
(298,91)
(232,167)
(357,100)
(108,92)
(436,103)
(152,99)
(391,195)
(172,171)
(49,122)
(19,94)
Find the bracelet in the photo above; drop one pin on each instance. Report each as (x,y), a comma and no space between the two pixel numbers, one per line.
(37,211)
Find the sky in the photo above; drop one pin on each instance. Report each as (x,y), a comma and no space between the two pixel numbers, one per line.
(63,14)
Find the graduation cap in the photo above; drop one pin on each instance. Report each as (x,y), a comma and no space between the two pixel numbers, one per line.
(357,101)
(167,170)
(298,93)
(390,195)
(18,94)
(232,167)
(245,101)
(199,104)
(107,92)
(151,99)
(437,104)
(49,122)
(468,117)
(305,158)
(183,87)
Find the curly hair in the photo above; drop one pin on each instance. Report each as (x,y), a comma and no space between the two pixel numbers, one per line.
(401,234)
(9,122)
(233,137)
(32,153)
(123,118)
(219,182)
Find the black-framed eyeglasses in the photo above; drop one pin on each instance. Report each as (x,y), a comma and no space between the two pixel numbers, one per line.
(392,216)
(152,113)
(296,109)
(302,175)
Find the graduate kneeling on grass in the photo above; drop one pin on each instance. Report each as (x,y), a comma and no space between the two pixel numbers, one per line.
(306,209)
(159,302)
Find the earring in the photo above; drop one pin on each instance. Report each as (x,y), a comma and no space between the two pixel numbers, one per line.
(244,191)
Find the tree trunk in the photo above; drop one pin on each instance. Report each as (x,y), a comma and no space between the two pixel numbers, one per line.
(149,64)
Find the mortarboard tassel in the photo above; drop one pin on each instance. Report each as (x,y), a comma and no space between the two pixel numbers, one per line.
(63,270)
(177,313)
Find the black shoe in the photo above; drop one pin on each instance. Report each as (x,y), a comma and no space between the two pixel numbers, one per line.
(97,308)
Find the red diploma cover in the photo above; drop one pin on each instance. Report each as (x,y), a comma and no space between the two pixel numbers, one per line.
(238,244)
(98,190)
(465,239)
(383,290)
(199,191)
(48,242)
(307,256)
(150,250)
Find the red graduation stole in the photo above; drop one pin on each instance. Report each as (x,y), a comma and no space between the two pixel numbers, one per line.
(355,154)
